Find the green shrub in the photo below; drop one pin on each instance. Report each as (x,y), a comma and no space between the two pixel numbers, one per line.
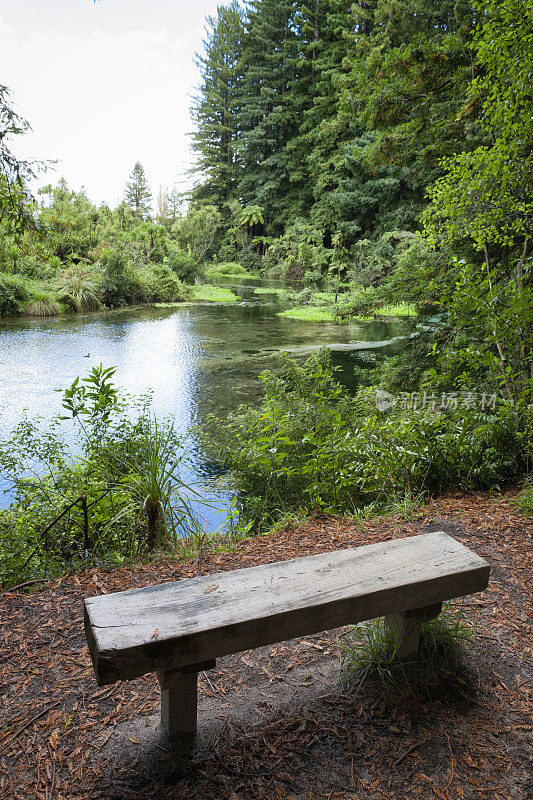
(226,268)
(298,254)
(118,286)
(363,302)
(13,292)
(78,288)
(158,284)
(197,230)
(312,444)
(124,467)
(182,264)
(324,299)
(32,267)
(313,277)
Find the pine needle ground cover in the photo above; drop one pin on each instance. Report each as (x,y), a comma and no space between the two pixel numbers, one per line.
(277,722)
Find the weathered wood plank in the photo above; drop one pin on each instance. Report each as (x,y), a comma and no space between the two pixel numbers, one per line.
(174,624)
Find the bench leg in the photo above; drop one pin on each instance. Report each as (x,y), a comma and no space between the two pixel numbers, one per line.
(179,695)
(405,629)
(179,700)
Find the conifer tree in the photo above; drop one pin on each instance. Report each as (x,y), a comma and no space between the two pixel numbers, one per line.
(269,117)
(409,84)
(174,203)
(338,112)
(169,204)
(396,94)
(216,108)
(162,206)
(15,173)
(314,153)
(138,195)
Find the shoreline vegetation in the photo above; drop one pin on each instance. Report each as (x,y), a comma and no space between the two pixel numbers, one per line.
(311,446)
(198,294)
(337,314)
(315,307)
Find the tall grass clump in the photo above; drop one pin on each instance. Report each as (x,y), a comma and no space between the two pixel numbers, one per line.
(369,654)
(153,480)
(524,500)
(78,287)
(43,304)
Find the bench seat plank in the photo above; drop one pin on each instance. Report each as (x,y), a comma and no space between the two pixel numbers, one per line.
(191,621)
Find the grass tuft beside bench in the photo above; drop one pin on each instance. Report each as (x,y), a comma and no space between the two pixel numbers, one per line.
(179,629)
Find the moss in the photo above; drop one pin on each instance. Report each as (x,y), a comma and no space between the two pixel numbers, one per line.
(228,269)
(309,314)
(176,304)
(214,294)
(277,290)
(398,310)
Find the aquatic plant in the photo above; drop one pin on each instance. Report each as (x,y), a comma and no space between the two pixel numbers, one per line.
(214,294)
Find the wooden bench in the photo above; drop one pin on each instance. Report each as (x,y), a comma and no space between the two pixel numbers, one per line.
(179,629)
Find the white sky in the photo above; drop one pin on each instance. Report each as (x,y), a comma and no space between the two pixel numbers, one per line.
(103,85)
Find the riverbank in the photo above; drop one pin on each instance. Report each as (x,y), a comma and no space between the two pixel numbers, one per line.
(354,303)
(39,301)
(276,722)
(313,313)
(159,286)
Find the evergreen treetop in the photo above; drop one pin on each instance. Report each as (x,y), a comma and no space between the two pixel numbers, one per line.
(138,195)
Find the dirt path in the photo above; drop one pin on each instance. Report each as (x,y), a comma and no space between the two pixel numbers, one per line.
(275,722)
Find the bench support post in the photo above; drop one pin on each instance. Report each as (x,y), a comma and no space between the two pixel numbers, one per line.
(178,705)
(179,699)
(405,629)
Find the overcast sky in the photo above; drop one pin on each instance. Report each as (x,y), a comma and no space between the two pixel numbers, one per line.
(103,85)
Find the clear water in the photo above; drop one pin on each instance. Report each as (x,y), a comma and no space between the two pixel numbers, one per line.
(196,359)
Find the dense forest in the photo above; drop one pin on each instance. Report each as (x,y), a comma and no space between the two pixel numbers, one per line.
(385,147)
(61,253)
(371,156)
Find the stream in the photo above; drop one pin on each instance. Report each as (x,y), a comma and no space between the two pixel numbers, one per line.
(197,360)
